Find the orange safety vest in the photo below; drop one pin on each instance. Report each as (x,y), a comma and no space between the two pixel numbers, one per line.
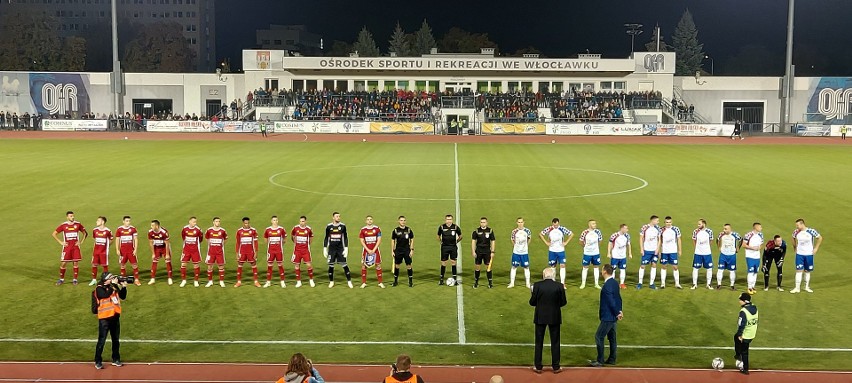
(307,379)
(109,307)
(391,379)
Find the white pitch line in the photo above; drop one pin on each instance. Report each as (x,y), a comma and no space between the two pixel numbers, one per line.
(459,290)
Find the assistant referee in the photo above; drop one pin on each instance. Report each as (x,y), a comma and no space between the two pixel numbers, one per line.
(402,243)
(482,248)
(449,235)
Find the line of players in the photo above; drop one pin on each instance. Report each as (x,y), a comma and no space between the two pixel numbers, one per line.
(661,245)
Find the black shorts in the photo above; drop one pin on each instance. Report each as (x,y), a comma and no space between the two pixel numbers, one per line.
(778,260)
(402,255)
(483,257)
(449,252)
(336,256)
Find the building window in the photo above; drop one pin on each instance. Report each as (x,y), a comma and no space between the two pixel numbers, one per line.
(277,42)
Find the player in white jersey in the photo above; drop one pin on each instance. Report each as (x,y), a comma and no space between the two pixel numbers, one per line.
(520,252)
(753,242)
(618,250)
(556,237)
(728,244)
(671,248)
(703,255)
(806,241)
(649,237)
(591,239)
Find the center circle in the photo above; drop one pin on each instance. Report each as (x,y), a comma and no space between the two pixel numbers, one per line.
(641,183)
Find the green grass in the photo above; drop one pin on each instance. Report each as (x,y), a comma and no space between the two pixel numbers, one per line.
(171,181)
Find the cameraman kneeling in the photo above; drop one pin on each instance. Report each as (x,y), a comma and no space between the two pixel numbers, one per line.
(400,373)
(106,302)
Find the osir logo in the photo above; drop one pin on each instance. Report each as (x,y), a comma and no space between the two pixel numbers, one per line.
(655,62)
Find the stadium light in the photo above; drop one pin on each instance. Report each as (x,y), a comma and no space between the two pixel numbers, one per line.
(712,64)
(633,30)
(787,82)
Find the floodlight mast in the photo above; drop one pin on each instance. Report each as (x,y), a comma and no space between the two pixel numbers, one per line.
(787,82)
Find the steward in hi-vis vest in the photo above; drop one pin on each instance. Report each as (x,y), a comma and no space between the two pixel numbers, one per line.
(106,303)
(746,331)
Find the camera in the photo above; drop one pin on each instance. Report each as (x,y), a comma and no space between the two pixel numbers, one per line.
(126,279)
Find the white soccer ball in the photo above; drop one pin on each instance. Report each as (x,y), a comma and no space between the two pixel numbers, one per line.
(125,137)
(552,141)
(451,281)
(363,140)
(718,364)
(739,364)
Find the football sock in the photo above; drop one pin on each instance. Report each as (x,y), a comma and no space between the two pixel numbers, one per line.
(311,273)
(222,274)
(347,273)
(443,271)
(780,276)
(363,275)
(153,269)
(331,273)
(183,272)
(798,280)
(123,271)
(281,272)
(254,272)
(239,273)
(676,274)
(662,276)
(709,277)
(695,277)
(197,271)
(169,268)
(562,275)
(584,274)
(597,273)
(653,274)
(379,275)
(210,275)
(76,271)
(622,275)
(527,276)
(733,275)
(136,273)
(95,273)
(62,273)
(298,274)
(268,273)
(641,275)
(455,272)
(476,276)
(751,280)
(410,276)
(807,280)
(490,276)
(512,274)
(719,275)
(396,275)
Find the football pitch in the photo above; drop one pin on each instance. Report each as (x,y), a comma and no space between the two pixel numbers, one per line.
(614,184)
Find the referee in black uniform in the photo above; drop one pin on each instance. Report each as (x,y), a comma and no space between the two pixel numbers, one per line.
(335,248)
(482,247)
(402,243)
(774,253)
(449,234)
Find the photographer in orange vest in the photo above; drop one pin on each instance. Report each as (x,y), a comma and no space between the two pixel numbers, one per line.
(106,303)
(400,373)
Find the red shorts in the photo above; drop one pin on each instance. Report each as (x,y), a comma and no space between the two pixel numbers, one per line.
(127,256)
(71,254)
(373,260)
(191,256)
(274,257)
(217,259)
(100,259)
(250,258)
(160,252)
(301,256)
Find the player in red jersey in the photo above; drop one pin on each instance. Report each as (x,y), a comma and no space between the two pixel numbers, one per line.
(215,237)
(71,240)
(246,251)
(371,238)
(302,237)
(161,247)
(102,236)
(275,237)
(126,247)
(192,235)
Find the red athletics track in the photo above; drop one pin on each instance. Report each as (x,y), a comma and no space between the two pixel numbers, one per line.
(508,139)
(239,373)
(251,373)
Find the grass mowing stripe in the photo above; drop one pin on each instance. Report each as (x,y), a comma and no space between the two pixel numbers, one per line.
(459,290)
(415,343)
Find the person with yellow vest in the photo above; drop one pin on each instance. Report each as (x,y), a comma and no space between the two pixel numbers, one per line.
(301,370)
(843,130)
(106,303)
(746,331)
(401,373)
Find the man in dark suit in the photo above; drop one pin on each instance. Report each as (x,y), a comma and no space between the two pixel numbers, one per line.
(548,297)
(610,313)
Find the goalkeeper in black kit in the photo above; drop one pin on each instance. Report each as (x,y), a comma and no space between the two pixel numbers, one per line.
(335,248)
(774,253)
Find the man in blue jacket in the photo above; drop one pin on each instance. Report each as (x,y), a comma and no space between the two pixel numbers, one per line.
(610,314)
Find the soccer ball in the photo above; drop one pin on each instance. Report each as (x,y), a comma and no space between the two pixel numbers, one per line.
(739,364)
(718,364)
(451,281)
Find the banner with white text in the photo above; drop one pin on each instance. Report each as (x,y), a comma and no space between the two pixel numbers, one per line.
(74,125)
(512,128)
(402,127)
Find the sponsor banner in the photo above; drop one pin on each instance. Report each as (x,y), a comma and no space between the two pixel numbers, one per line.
(402,127)
(814,130)
(320,127)
(836,130)
(264,59)
(74,125)
(178,126)
(235,126)
(580,129)
(513,128)
(355,127)
(289,127)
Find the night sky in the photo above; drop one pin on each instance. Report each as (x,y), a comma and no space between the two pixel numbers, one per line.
(732,31)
